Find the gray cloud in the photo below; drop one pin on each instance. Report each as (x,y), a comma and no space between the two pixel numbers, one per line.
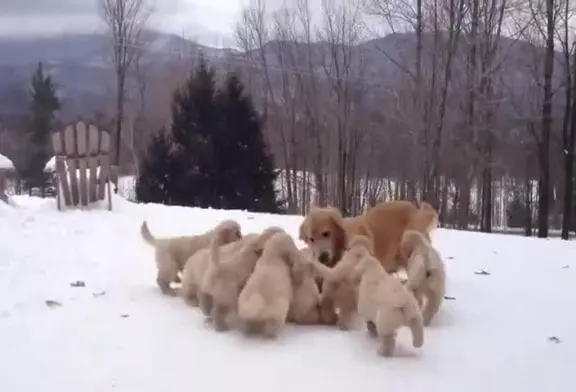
(47,7)
(210,21)
(22,8)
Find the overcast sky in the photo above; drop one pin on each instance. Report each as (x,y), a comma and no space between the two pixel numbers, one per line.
(208,21)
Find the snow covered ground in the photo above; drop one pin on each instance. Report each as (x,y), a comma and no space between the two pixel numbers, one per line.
(511,330)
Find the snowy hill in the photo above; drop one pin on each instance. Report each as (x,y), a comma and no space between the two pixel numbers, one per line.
(119,333)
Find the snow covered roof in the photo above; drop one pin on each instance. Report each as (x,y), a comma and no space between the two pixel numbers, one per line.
(5,163)
(50,165)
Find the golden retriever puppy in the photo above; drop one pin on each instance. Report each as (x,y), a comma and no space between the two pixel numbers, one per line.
(171,254)
(264,303)
(386,305)
(325,231)
(226,276)
(340,283)
(306,306)
(426,272)
(197,266)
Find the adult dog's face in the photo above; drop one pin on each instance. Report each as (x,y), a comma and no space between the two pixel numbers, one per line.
(323,232)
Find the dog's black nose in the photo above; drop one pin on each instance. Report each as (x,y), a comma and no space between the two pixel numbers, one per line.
(325,259)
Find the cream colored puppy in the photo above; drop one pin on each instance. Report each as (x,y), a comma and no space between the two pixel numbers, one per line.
(196,267)
(305,305)
(227,274)
(172,254)
(386,305)
(340,283)
(264,303)
(426,273)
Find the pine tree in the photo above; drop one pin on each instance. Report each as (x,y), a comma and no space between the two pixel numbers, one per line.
(43,108)
(245,169)
(194,121)
(155,181)
(216,157)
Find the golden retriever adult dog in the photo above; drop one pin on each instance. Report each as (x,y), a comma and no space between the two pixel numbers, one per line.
(264,303)
(387,305)
(426,272)
(326,232)
(426,221)
(227,274)
(340,283)
(171,254)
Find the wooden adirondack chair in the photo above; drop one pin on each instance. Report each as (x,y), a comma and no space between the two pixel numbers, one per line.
(83,167)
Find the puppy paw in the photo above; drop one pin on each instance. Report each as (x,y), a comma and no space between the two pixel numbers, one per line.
(371,328)
(192,301)
(169,291)
(343,326)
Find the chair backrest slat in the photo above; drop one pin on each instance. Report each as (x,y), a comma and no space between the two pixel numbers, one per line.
(82,162)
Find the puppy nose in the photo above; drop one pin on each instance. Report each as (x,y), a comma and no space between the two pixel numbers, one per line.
(324,258)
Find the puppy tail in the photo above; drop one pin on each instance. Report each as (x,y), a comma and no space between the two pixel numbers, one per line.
(215,251)
(146,235)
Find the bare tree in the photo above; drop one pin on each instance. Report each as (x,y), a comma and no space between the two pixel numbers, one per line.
(126,20)
(342,63)
(309,86)
(455,13)
(569,119)
(135,121)
(544,17)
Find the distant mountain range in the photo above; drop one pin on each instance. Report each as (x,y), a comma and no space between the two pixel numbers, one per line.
(81,63)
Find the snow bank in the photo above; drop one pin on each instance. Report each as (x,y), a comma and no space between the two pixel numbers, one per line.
(6,163)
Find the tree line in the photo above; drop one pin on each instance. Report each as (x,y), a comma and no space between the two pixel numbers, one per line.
(463,103)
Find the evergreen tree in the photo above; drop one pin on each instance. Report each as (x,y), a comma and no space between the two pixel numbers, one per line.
(245,169)
(43,108)
(154,183)
(194,120)
(216,157)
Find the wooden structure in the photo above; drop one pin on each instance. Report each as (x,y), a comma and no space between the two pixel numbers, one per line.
(82,153)
(7,171)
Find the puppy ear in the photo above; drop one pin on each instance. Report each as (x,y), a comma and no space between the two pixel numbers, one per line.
(339,237)
(303,230)
(298,268)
